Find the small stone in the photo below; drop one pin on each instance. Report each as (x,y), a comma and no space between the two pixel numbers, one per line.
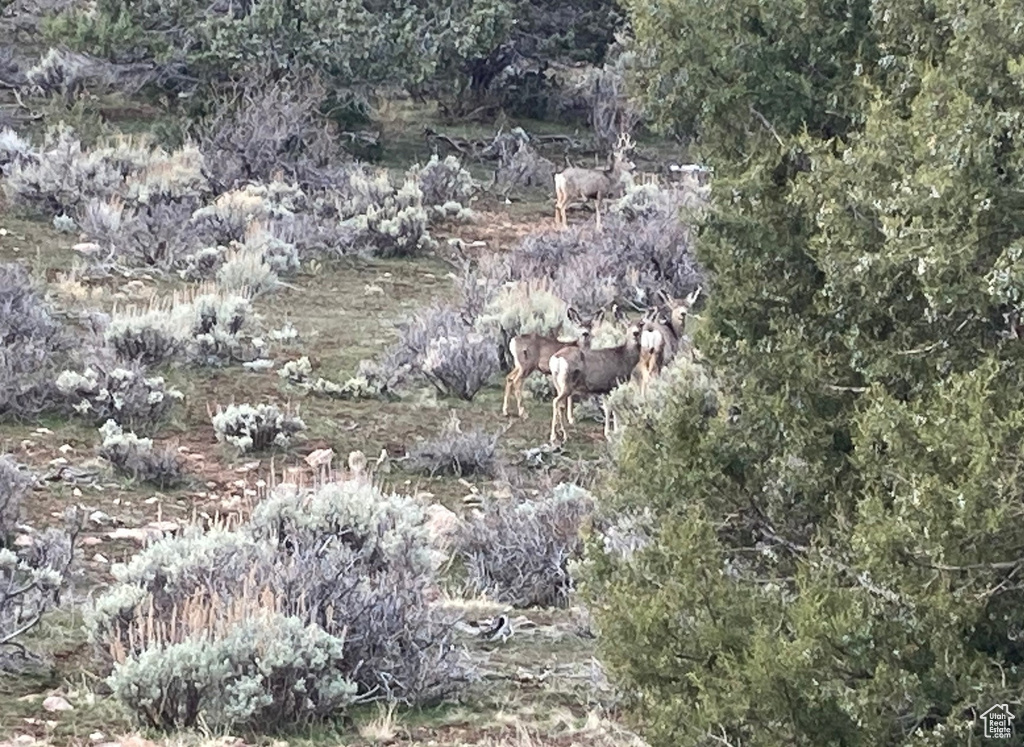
(57,703)
(64,449)
(98,517)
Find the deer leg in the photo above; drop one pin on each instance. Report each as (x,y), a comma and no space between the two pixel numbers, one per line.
(519,398)
(554,418)
(608,416)
(561,418)
(597,211)
(568,410)
(510,382)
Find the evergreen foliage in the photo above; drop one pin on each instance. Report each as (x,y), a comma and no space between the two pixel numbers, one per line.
(837,540)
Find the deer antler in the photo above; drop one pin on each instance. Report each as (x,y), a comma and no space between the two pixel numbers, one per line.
(624,143)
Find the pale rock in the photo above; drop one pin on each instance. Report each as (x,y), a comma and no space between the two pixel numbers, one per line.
(57,703)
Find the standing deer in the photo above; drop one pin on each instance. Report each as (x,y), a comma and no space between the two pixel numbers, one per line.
(533,352)
(662,337)
(577,182)
(591,371)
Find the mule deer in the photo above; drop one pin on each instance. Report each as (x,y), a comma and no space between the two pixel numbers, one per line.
(661,337)
(533,352)
(577,182)
(591,371)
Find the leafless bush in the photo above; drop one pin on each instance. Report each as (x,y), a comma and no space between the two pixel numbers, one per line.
(523,167)
(349,560)
(606,94)
(460,365)
(456,452)
(15,483)
(136,458)
(519,553)
(438,344)
(33,346)
(643,248)
(416,333)
(266,131)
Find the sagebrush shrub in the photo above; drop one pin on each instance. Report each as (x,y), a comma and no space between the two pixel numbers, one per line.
(519,552)
(33,347)
(524,307)
(445,186)
(246,271)
(15,483)
(397,226)
(136,458)
(682,374)
(151,338)
(122,393)
(61,175)
(13,148)
(456,452)
(223,328)
(215,328)
(30,583)
(353,562)
(155,236)
(269,671)
(249,428)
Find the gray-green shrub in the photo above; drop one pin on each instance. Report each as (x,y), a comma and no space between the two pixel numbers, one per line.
(15,484)
(136,458)
(270,671)
(249,428)
(122,393)
(345,557)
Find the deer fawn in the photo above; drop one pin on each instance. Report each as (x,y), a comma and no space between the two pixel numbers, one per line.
(661,337)
(591,371)
(576,182)
(533,352)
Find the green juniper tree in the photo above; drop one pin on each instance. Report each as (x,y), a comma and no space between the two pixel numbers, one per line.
(838,550)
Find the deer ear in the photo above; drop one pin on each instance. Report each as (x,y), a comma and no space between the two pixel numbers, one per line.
(574,316)
(692,298)
(596,319)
